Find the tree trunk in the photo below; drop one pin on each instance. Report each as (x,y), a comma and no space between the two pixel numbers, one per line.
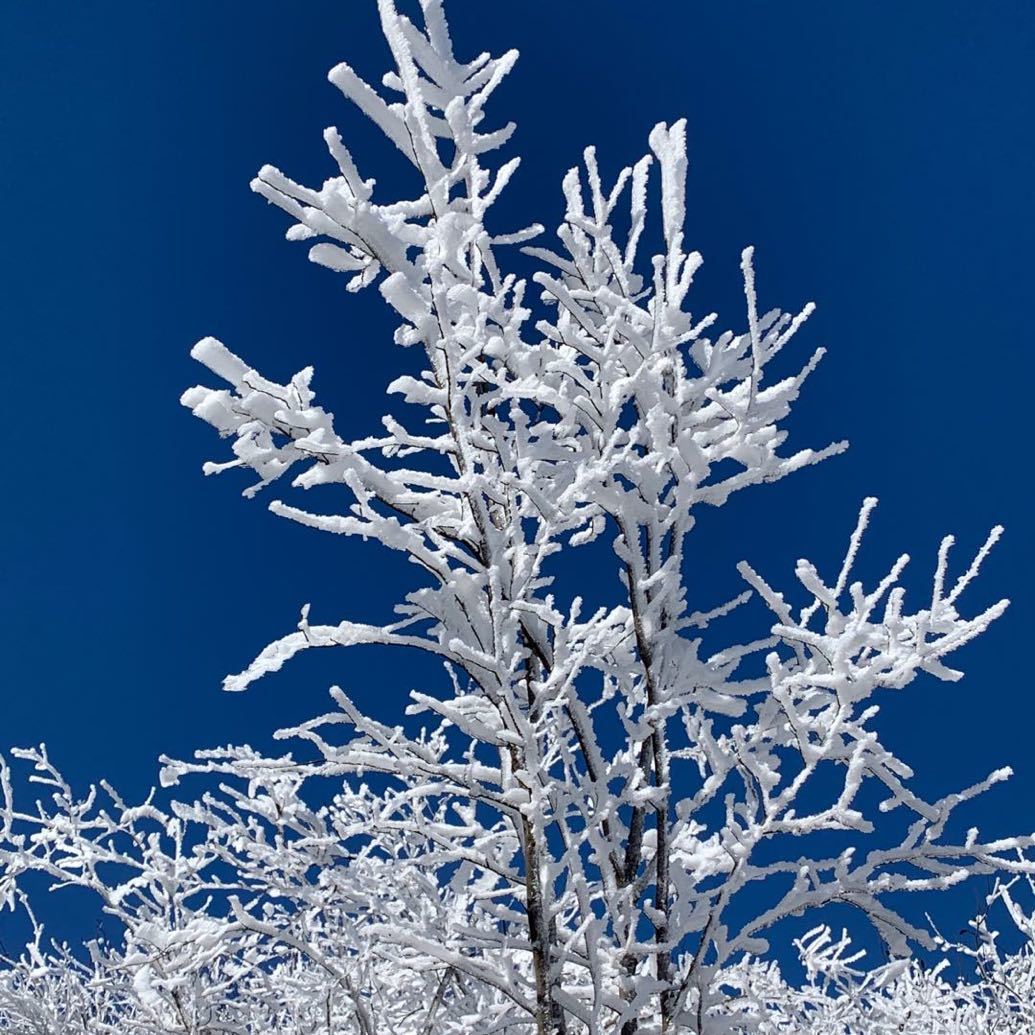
(549,1016)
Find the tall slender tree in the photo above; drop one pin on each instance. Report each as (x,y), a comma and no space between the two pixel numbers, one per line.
(601,820)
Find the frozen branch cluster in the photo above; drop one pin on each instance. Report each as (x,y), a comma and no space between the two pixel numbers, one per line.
(599,823)
(843,997)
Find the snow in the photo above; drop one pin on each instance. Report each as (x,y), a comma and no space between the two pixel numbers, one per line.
(568,843)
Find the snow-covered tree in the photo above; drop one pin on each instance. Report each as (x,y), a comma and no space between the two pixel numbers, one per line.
(596,822)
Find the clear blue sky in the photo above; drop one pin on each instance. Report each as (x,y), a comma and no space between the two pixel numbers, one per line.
(879,155)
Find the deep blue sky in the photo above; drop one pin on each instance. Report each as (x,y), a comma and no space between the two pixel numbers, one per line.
(879,155)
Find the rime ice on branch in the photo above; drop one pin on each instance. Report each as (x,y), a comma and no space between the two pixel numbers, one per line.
(569,845)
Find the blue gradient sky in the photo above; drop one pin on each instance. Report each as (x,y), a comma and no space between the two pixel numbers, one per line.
(880,156)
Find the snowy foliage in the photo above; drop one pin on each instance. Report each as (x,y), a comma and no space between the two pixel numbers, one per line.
(841,997)
(598,824)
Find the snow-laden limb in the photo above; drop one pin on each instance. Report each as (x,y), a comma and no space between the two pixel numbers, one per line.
(602,819)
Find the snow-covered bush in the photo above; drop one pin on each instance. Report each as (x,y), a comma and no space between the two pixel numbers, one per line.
(597,822)
(946,997)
